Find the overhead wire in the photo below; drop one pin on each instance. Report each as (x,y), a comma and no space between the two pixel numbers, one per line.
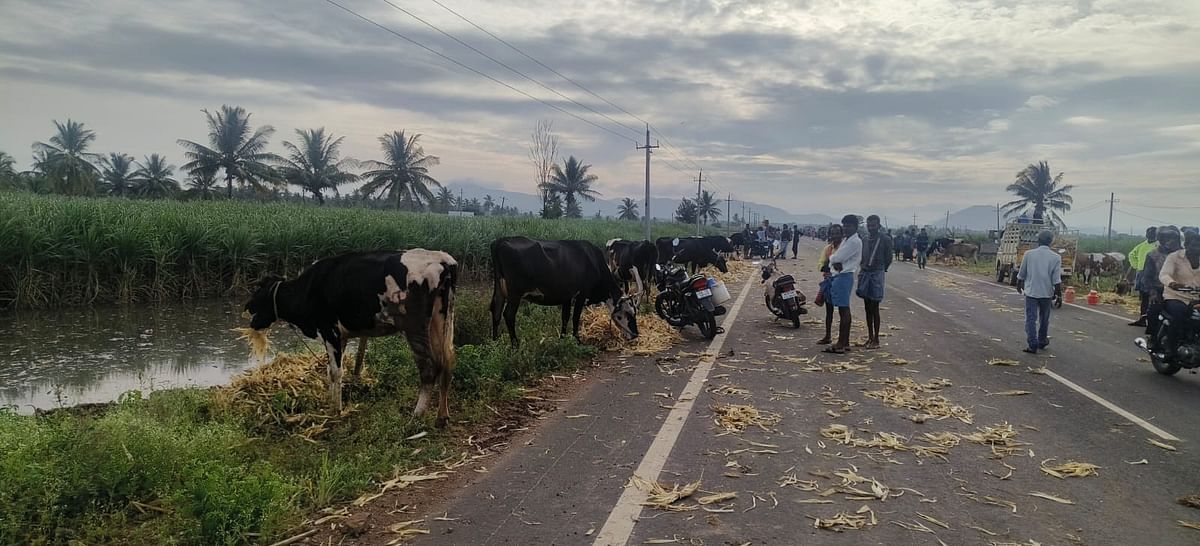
(472,69)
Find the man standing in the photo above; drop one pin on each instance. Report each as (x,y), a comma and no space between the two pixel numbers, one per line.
(1040,277)
(845,262)
(796,241)
(1137,260)
(877,258)
(785,239)
(922,246)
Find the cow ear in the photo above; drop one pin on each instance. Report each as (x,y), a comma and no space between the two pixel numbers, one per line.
(268,281)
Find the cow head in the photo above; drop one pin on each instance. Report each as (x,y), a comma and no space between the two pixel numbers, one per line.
(262,306)
(721,264)
(624,315)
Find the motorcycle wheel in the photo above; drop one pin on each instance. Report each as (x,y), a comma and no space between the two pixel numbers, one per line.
(796,319)
(707,324)
(1161,365)
(670,309)
(776,310)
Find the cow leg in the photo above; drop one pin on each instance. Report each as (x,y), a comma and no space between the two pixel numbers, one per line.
(497,307)
(427,369)
(579,301)
(566,317)
(358,359)
(334,346)
(510,319)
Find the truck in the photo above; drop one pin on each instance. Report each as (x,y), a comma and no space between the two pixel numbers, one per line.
(1021,237)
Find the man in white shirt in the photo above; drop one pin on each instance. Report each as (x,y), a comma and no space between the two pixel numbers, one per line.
(845,262)
(1039,278)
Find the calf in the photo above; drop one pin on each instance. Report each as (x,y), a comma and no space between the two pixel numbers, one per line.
(371,294)
(627,258)
(571,274)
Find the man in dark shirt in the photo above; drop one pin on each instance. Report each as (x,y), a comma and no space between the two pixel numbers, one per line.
(1168,242)
(876,259)
(921,244)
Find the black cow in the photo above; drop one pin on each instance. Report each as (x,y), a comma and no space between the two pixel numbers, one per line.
(625,256)
(371,294)
(740,242)
(696,252)
(566,273)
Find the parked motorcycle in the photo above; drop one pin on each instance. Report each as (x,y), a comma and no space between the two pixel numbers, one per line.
(1187,353)
(684,300)
(781,296)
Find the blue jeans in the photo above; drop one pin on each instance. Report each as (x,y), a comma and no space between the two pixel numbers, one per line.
(1037,309)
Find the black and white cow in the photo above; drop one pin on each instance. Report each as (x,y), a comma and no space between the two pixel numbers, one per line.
(571,274)
(695,252)
(625,257)
(371,294)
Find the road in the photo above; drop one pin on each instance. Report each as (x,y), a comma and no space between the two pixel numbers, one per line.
(1090,398)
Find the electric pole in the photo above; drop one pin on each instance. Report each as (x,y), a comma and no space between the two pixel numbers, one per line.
(1112,199)
(728,220)
(646,206)
(947,221)
(997,216)
(699,182)
(744,219)
(914,219)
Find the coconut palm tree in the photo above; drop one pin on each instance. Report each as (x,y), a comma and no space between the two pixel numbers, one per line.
(314,164)
(116,174)
(573,181)
(233,148)
(488,204)
(9,179)
(1037,189)
(66,161)
(201,185)
(708,207)
(154,178)
(444,200)
(627,210)
(686,211)
(404,173)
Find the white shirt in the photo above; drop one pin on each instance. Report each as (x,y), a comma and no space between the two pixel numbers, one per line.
(849,254)
(1041,269)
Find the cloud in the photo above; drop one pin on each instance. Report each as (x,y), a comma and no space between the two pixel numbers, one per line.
(1041,102)
(1085,121)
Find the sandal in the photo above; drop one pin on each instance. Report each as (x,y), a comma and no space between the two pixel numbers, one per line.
(833,350)
(824,341)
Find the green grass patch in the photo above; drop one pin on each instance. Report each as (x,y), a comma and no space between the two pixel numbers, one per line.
(68,251)
(175,468)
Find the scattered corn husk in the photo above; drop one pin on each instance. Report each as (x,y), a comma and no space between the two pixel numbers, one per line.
(1037,371)
(406,530)
(1191,501)
(863,517)
(397,483)
(737,417)
(1000,438)
(1070,469)
(738,271)
(658,496)
(1003,362)
(654,334)
(1050,497)
(717,497)
(904,392)
(1157,443)
(944,439)
(1010,393)
(933,520)
(887,442)
(258,340)
(1189,524)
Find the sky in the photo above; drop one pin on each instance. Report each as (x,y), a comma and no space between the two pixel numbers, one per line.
(895,107)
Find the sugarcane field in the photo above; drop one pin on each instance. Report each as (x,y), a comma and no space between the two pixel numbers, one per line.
(704,273)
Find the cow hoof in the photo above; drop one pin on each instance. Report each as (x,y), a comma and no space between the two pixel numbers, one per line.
(442,422)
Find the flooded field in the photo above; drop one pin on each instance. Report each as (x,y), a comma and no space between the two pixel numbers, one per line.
(73,356)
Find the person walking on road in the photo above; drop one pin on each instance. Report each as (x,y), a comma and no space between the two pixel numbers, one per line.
(877,258)
(845,262)
(835,240)
(1168,242)
(921,244)
(796,241)
(1039,279)
(785,239)
(1180,270)
(1137,260)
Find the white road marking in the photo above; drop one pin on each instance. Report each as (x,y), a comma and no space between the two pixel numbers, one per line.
(922,305)
(1114,408)
(619,525)
(990,283)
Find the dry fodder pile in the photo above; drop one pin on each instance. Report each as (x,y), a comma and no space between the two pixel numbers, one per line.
(654,334)
(736,418)
(904,392)
(739,270)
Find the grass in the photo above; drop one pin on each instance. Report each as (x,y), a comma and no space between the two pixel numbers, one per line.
(180,468)
(57,251)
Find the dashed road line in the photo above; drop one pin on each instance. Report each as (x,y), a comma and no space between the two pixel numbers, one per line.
(923,306)
(1114,408)
(619,526)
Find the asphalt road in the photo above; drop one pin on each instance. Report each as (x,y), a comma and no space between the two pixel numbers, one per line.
(658,419)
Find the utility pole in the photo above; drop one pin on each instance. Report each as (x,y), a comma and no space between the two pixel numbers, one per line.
(914,219)
(728,220)
(997,216)
(646,205)
(699,182)
(744,219)
(1112,199)
(947,221)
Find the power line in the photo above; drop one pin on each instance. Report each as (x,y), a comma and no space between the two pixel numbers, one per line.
(1165,207)
(501,63)
(473,70)
(1155,220)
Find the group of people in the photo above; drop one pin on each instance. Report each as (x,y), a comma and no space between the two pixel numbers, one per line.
(912,245)
(846,256)
(778,239)
(1166,262)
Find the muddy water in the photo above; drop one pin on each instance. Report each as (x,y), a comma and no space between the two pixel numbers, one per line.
(65,357)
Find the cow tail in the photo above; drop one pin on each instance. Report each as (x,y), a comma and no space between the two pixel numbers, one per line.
(441,327)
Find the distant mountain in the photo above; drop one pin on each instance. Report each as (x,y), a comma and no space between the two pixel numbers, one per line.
(976,218)
(660,207)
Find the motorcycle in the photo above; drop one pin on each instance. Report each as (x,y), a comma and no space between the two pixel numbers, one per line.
(781,296)
(1187,353)
(684,300)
